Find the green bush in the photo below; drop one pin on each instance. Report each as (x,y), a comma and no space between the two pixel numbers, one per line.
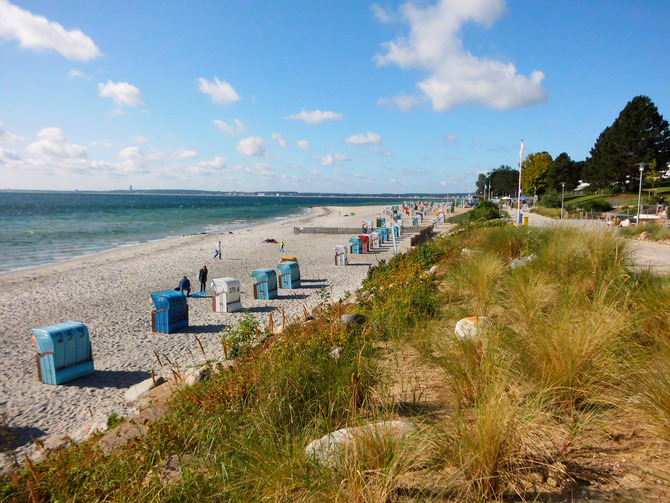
(596,205)
(551,199)
(236,340)
(485,210)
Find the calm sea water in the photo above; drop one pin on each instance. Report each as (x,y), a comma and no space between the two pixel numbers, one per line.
(38,228)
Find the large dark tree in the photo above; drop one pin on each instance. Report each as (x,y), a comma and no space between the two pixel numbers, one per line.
(504,181)
(639,134)
(564,170)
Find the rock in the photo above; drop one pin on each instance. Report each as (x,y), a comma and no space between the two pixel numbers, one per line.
(136,427)
(471,327)
(56,442)
(137,391)
(83,433)
(522,261)
(643,235)
(195,375)
(335,353)
(351,300)
(432,270)
(50,443)
(366,294)
(353,319)
(158,395)
(329,447)
(465,252)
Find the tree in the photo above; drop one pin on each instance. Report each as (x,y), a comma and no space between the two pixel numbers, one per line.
(564,170)
(481,184)
(534,173)
(639,134)
(504,181)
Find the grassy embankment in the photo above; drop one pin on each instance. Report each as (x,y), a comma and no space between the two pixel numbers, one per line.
(577,346)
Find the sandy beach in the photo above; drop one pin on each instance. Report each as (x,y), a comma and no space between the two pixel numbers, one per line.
(110,293)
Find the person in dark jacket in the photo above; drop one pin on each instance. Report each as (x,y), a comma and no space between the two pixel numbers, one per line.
(202,275)
(185,286)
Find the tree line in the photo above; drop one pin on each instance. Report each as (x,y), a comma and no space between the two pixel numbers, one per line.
(638,135)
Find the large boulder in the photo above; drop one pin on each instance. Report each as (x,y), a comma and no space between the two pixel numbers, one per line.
(137,391)
(471,327)
(329,448)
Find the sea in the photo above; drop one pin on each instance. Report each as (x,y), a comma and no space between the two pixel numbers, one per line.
(42,227)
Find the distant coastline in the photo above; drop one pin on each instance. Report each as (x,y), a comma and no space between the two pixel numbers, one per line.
(171,192)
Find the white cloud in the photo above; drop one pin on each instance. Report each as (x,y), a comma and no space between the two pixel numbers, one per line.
(139,139)
(37,32)
(303,145)
(102,144)
(218,91)
(216,163)
(381,14)
(208,167)
(121,93)
(234,129)
(186,154)
(53,143)
(329,159)
(365,139)
(315,116)
(133,160)
(252,146)
(7,137)
(131,153)
(74,74)
(280,139)
(7,155)
(451,138)
(402,102)
(455,76)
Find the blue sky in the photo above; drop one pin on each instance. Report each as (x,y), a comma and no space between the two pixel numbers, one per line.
(342,96)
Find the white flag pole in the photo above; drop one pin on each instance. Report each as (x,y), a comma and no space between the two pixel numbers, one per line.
(518,194)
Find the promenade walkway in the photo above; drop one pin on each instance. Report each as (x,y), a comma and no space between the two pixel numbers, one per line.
(646,254)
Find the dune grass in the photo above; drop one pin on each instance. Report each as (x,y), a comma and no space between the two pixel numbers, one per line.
(654,231)
(572,333)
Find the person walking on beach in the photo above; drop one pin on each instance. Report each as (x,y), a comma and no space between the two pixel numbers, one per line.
(202,276)
(281,246)
(185,286)
(217,250)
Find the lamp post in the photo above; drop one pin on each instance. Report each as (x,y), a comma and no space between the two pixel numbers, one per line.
(641,165)
(518,194)
(562,197)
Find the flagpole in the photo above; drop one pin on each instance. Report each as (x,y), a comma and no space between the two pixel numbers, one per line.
(518,194)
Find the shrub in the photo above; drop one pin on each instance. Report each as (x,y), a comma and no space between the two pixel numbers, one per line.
(485,210)
(596,205)
(551,199)
(236,340)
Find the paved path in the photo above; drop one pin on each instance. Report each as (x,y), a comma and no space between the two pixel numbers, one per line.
(646,254)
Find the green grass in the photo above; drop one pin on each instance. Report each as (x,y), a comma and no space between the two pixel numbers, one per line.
(654,231)
(572,333)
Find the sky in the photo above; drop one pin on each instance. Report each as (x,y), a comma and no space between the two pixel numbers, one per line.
(344,96)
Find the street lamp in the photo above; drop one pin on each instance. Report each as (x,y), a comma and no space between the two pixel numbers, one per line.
(562,197)
(639,195)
